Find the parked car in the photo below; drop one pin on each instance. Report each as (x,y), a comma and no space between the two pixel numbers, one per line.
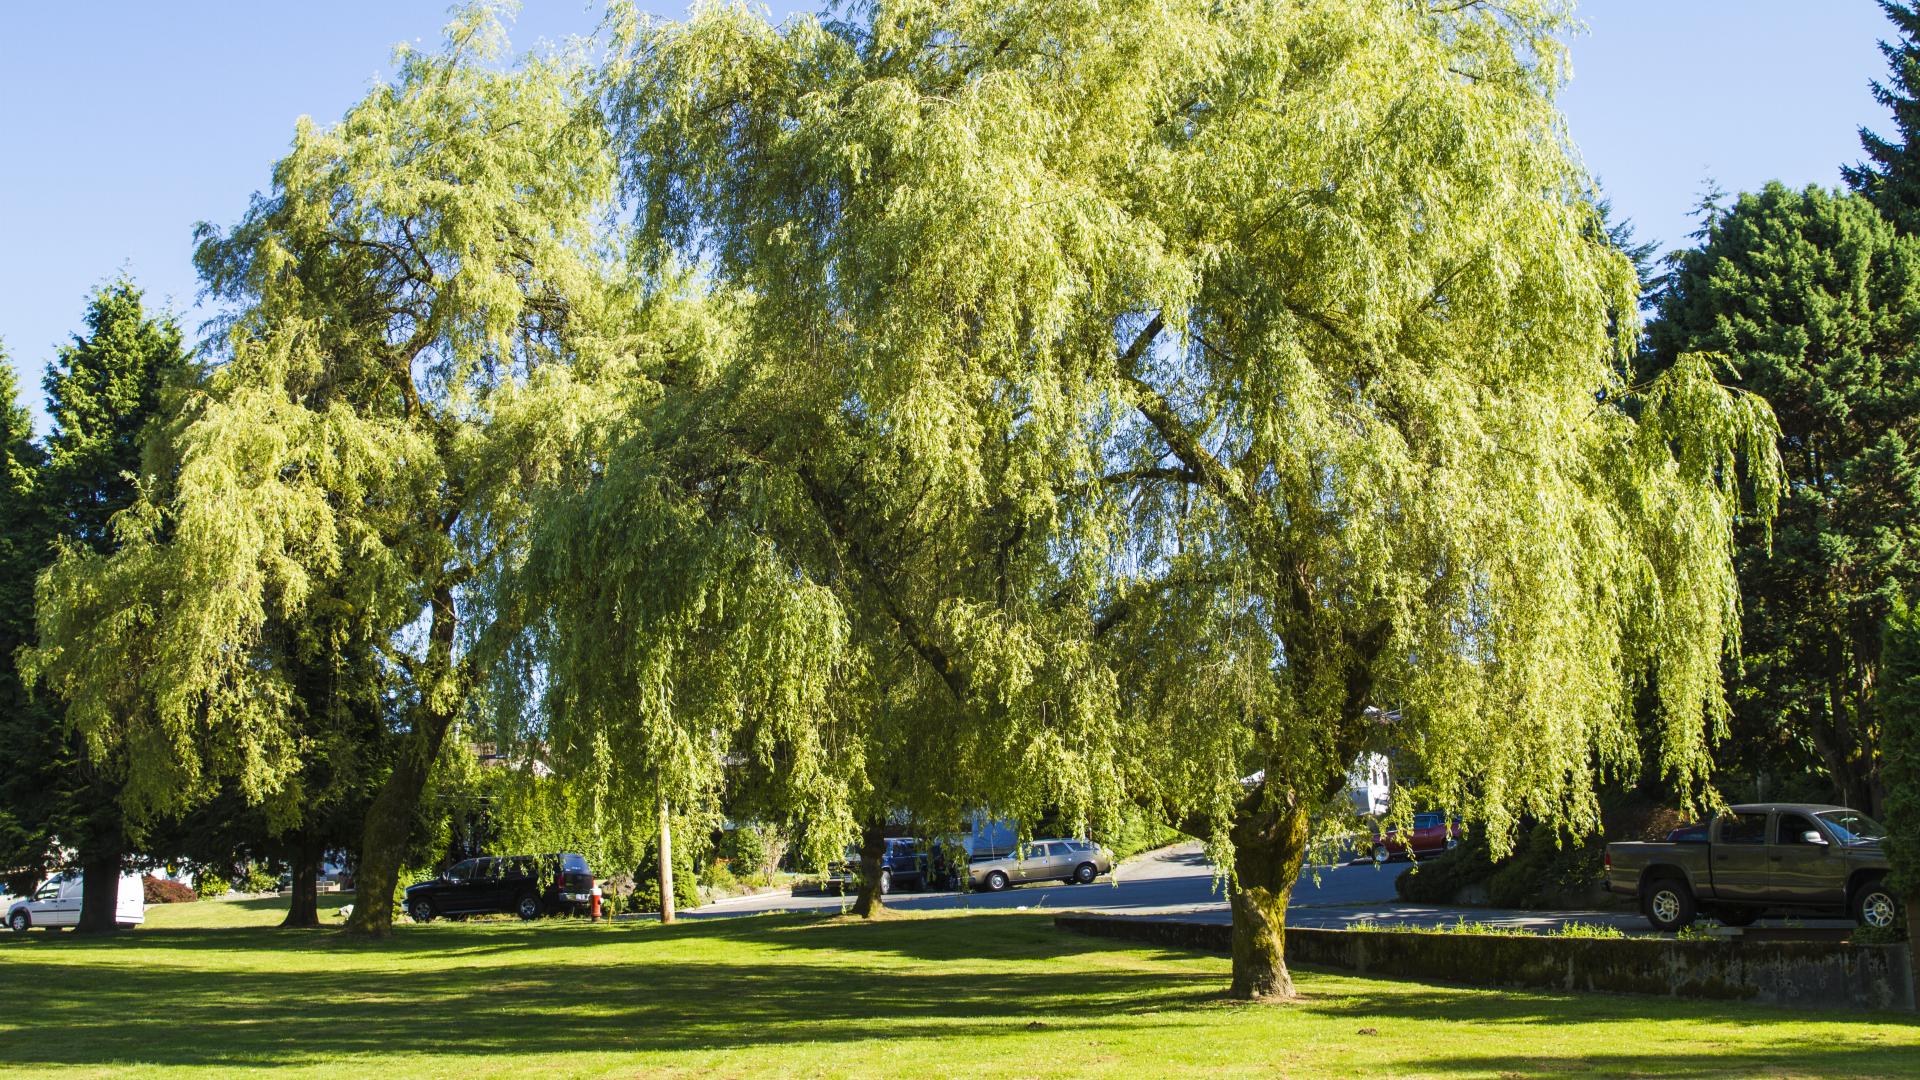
(907,863)
(57,903)
(525,885)
(1432,834)
(1059,859)
(1757,858)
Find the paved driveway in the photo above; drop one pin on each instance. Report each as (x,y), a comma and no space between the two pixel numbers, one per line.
(1180,881)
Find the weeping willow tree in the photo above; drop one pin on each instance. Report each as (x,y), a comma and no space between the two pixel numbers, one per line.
(832,556)
(1205,394)
(410,298)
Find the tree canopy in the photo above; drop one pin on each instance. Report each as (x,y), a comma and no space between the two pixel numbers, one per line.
(1816,295)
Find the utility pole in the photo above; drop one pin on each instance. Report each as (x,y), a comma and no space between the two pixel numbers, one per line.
(666,860)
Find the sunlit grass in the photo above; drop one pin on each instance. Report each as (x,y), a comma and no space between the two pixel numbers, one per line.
(973,994)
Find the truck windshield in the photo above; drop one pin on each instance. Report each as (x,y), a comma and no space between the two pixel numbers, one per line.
(1853,827)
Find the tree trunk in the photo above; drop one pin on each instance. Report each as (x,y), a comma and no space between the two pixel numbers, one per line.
(100,890)
(666,861)
(303,908)
(1269,846)
(871,902)
(383,843)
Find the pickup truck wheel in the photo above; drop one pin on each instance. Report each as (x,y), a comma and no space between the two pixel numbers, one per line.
(996,881)
(528,908)
(21,922)
(1875,906)
(886,882)
(1669,905)
(421,910)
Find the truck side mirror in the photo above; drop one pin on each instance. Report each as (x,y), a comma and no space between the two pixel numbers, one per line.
(1812,836)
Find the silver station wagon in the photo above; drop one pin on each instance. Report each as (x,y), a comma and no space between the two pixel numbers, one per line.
(1072,861)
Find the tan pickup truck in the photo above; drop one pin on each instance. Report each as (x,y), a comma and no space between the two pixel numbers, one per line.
(1802,858)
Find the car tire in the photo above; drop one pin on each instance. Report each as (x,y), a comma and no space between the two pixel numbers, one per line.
(20,921)
(1669,905)
(1875,907)
(886,882)
(996,881)
(1738,916)
(1452,842)
(1381,856)
(527,907)
(1085,873)
(421,911)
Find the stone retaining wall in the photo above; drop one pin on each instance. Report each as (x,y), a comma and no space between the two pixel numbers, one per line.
(1817,975)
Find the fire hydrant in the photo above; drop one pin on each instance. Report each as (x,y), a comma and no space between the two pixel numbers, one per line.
(593,911)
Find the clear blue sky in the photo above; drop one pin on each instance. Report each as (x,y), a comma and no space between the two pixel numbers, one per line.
(122,124)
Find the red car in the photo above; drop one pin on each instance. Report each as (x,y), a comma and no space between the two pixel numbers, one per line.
(1432,834)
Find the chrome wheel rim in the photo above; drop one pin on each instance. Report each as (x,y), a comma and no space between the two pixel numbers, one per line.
(1666,906)
(1381,854)
(1877,912)
(529,908)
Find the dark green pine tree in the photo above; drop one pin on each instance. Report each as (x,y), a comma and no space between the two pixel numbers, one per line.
(105,392)
(1901,771)
(1815,299)
(30,797)
(1891,175)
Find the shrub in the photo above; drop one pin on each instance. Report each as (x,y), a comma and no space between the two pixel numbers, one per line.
(646,883)
(209,885)
(753,852)
(161,891)
(718,876)
(259,879)
(1437,879)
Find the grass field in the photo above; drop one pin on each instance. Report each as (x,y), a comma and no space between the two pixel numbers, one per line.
(990,995)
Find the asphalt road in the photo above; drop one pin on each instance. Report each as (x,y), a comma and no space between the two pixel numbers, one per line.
(1180,882)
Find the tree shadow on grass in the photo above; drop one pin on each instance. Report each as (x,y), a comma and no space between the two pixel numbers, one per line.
(264,997)
(89,1009)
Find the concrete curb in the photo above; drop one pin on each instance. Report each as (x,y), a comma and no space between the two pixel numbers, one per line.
(1806,975)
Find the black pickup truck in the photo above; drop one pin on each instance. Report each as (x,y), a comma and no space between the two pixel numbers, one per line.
(1799,858)
(525,885)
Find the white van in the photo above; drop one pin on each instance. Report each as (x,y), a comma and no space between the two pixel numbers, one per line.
(57,903)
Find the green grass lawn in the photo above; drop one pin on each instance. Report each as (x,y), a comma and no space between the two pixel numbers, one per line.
(964,994)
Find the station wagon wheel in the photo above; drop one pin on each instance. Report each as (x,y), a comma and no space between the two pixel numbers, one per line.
(1875,907)
(996,881)
(421,910)
(20,922)
(529,907)
(1085,873)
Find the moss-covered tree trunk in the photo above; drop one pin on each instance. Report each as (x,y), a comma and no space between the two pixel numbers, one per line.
(1269,847)
(871,902)
(383,843)
(303,907)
